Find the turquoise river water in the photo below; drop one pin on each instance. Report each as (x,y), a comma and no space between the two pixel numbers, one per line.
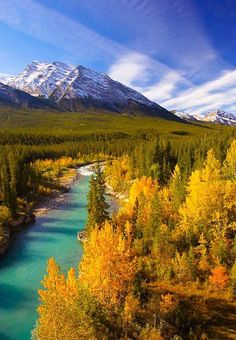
(24,265)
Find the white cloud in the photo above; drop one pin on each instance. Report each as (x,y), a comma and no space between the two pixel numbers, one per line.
(155,80)
(165,88)
(130,68)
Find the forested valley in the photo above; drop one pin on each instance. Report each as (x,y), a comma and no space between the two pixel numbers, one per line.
(150,269)
(147,270)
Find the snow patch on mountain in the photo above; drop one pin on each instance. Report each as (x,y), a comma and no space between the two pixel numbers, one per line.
(6,78)
(17,98)
(86,83)
(184,115)
(41,79)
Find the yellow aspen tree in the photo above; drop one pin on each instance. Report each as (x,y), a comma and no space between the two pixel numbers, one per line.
(205,197)
(107,268)
(229,168)
(64,312)
(144,189)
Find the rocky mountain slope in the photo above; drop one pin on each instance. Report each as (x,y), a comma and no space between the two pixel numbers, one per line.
(17,98)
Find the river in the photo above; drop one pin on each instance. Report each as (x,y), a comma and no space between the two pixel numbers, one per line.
(24,265)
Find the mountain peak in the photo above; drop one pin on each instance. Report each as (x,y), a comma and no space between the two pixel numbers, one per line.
(40,78)
(221,117)
(74,88)
(218,116)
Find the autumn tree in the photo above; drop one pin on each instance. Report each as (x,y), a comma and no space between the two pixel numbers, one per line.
(207,195)
(229,168)
(66,311)
(233,278)
(108,267)
(219,277)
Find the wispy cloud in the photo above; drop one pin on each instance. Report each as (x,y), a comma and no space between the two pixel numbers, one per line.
(163,30)
(220,92)
(154,79)
(166,88)
(129,68)
(52,27)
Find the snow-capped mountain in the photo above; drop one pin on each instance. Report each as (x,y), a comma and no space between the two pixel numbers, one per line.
(12,97)
(217,117)
(184,115)
(220,117)
(73,88)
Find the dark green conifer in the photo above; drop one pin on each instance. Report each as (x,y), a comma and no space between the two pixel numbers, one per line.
(97,205)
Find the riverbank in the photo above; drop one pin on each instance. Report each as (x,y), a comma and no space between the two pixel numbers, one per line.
(57,197)
(118,195)
(62,196)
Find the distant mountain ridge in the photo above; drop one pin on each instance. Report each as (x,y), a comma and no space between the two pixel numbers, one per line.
(220,117)
(217,117)
(74,88)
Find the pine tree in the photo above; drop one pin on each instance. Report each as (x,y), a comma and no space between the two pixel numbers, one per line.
(153,226)
(92,198)
(97,205)
(13,182)
(176,188)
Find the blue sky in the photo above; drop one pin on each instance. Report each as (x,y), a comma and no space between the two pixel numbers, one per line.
(179,53)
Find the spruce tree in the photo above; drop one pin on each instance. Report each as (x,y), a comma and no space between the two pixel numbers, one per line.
(97,205)
(177,188)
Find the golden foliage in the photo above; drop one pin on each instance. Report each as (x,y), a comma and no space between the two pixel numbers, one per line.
(219,277)
(59,312)
(208,195)
(108,266)
(143,190)
(168,303)
(229,167)
(118,173)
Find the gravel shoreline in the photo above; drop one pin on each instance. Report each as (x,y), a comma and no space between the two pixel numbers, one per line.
(57,198)
(61,197)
